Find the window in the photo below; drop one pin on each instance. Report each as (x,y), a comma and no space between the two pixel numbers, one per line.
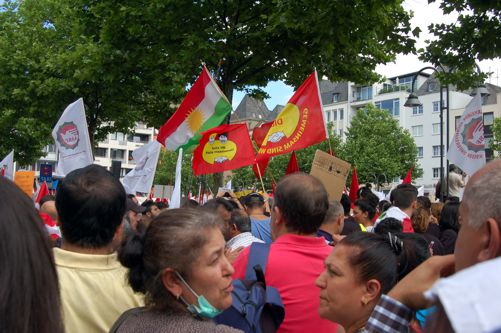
(436,106)
(391,105)
(362,93)
(406,80)
(335,97)
(130,155)
(488,122)
(417,110)
(50,149)
(417,130)
(335,115)
(124,171)
(436,151)
(328,116)
(436,172)
(341,132)
(119,136)
(432,86)
(139,138)
(436,128)
(420,152)
(117,154)
(101,152)
(341,114)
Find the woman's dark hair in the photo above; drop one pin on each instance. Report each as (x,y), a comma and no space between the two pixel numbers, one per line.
(387,225)
(29,291)
(383,206)
(449,217)
(415,250)
(174,240)
(376,257)
(366,206)
(424,202)
(213,204)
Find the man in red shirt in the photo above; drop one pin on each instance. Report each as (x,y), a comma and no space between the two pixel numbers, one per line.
(296,255)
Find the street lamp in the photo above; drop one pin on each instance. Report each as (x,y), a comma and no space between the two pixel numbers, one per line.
(413,101)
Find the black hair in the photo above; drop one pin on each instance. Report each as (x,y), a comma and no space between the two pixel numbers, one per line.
(404,195)
(377,257)
(131,196)
(254,200)
(303,202)
(45,198)
(174,239)
(370,197)
(162,205)
(383,206)
(416,250)
(91,205)
(213,204)
(187,202)
(345,201)
(449,217)
(148,204)
(29,292)
(241,220)
(387,225)
(366,206)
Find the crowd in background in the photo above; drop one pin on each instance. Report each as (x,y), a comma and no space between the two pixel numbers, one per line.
(93,259)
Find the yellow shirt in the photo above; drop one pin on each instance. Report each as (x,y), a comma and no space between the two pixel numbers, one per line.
(94,291)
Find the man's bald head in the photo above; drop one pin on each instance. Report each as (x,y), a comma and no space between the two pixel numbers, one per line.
(49,208)
(303,202)
(482,194)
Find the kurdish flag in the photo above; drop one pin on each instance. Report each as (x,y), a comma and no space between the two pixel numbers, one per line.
(203,108)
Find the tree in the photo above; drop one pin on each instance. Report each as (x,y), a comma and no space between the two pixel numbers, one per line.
(495,143)
(475,35)
(54,52)
(379,148)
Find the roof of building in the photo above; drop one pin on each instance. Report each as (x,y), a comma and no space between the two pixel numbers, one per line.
(251,108)
(329,89)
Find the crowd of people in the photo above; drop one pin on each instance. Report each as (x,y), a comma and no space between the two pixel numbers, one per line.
(93,259)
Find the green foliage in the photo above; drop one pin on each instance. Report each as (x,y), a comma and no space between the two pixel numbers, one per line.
(495,143)
(475,35)
(379,148)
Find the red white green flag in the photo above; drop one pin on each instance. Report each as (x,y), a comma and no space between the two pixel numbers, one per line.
(203,108)
(299,125)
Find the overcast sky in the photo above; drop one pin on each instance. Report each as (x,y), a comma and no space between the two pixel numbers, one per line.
(424,15)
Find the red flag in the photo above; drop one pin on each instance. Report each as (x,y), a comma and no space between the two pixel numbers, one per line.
(43,191)
(299,125)
(263,164)
(292,166)
(259,133)
(225,147)
(354,186)
(408,177)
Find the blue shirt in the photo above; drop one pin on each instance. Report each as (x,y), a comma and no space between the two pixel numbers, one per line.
(261,229)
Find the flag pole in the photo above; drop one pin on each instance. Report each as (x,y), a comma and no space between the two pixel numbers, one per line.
(260,177)
(330,147)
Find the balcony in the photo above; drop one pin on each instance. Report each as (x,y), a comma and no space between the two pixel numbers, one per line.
(395,88)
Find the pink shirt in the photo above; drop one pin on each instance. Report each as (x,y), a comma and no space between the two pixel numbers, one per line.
(294,263)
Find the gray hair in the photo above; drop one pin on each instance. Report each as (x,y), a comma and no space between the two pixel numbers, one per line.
(482,195)
(334,211)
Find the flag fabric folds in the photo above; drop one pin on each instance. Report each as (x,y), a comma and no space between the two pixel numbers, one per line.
(140,179)
(42,191)
(467,148)
(292,165)
(225,147)
(259,167)
(259,133)
(408,176)
(354,187)
(175,199)
(71,136)
(203,108)
(7,166)
(299,125)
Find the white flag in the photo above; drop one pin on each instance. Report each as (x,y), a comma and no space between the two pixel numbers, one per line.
(71,135)
(175,200)
(467,148)
(7,166)
(141,177)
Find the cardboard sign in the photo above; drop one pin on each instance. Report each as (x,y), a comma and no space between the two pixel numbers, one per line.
(25,179)
(332,172)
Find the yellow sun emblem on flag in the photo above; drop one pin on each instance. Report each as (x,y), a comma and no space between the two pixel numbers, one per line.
(195,119)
